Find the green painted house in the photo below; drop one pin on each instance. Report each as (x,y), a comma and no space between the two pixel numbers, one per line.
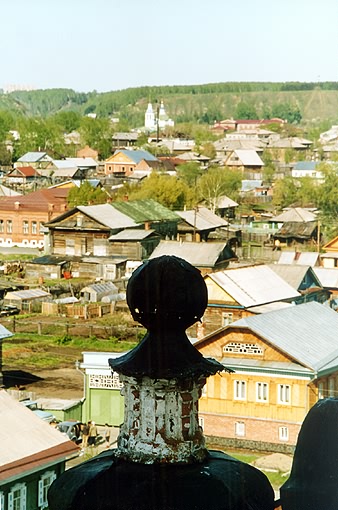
(103,401)
(32,455)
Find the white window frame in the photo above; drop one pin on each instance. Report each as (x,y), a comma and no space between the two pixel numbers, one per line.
(262,392)
(204,391)
(2,501)
(239,428)
(283,433)
(9,226)
(331,392)
(45,482)
(25,227)
(19,487)
(239,389)
(201,422)
(227,318)
(320,390)
(284,394)
(34,227)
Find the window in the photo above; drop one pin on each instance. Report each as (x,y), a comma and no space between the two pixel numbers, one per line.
(9,226)
(34,227)
(2,501)
(201,422)
(17,497)
(25,227)
(227,318)
(204,391)
(283,433)
(1,226)
(239,428)
(239,390)
(284,394)
(320,390)
(331,388)
(262,392)
(44,483)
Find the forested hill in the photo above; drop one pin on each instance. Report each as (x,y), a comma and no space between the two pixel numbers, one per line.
(198,103)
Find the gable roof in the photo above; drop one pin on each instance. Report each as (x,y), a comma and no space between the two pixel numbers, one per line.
(295,274)
(108,216)
(307,332)
(254,285)
(24,171)
(295,214)
(34,157)
(202,219)
(197,254)
(136,156)
(40,200)
(132,234)
(45,444)
(297,229)
(328,277)
(306,258)
(249,157)
(145,210)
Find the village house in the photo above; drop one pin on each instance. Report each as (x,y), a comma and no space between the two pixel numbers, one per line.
(124,162)
(239,292)
(197,224)
(22,217)
(330,256)
(206,257)
(22,176)
(32,455)
(283,362)
(38,160)
(248,162)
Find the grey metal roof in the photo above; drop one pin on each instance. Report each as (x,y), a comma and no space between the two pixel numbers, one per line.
(108,216)
(137,155)
(27,294)
(131,234)
(306,258)
(42,437)
(249,157)
(202,219)
(254,285)
(198,254)
(269,307)
(224,202)
(33,157)
(101,287)
(328,277)
(264,365)
(294,275)
(307,332)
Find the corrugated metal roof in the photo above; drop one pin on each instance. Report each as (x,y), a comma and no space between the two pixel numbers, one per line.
(328,277)
(306,165)
(307,332)
(101,287)
(23,434)
(4,332)
(145,210)
(33,157)
(197,254)
(254,285)
(131,234)
(258,364)
(202,219)
(108,216)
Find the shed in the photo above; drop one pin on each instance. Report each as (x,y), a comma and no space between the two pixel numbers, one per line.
(95,292)
(24,299)
(62,409)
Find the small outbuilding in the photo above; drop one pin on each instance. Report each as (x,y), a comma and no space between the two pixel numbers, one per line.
(95,292)
(25,299)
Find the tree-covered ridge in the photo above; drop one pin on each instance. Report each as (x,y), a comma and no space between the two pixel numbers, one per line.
(185,103)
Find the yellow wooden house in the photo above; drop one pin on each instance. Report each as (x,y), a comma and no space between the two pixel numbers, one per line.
(283,362)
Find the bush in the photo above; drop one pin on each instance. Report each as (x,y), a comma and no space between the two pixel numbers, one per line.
(64,340)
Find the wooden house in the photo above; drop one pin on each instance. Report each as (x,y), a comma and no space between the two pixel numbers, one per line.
(22,176)
(248,162)
(204,256)
(283,362)
(134,244)
(243,291)
(32,455)
(38,160)
(197,224)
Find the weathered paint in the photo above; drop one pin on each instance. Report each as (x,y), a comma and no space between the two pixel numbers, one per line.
(161,421)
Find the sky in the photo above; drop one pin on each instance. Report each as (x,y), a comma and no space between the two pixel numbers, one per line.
(109,45)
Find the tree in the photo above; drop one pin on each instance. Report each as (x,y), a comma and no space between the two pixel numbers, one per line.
(97,133)
(285,192)
(217,182)
(86,195)
(288,112)
(246,111)
(5,155)
(189,172)
(68,121)
(165,189)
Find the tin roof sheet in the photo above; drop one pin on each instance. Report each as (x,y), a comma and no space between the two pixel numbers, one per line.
(197,254)
(254,285)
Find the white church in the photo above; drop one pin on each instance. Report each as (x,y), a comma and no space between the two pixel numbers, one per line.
(152,117)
